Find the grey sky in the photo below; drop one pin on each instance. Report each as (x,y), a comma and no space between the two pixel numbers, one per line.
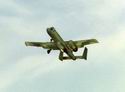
(30,69)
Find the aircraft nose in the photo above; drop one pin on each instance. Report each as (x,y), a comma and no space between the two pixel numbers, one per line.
(52,28)
(48,31)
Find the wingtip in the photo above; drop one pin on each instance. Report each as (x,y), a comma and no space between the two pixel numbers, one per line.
(96,41)
(26,43)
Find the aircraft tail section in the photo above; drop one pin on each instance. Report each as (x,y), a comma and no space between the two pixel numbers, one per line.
(84,56)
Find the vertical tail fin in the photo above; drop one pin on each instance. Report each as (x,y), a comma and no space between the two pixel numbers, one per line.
(85,53)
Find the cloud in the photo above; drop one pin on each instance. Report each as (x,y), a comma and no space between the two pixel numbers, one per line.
(30,67)
(116,42)
(11,8)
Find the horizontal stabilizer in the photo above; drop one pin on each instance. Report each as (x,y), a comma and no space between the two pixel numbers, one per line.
(84,55)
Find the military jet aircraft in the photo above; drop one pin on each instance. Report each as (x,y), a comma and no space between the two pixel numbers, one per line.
(68,47)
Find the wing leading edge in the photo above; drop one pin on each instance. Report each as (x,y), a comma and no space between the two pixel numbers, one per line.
(82,43)
(45,45)
(52,45)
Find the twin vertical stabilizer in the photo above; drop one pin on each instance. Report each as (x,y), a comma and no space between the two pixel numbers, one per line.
(84,55)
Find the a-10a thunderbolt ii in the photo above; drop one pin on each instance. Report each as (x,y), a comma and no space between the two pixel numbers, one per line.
(68,47)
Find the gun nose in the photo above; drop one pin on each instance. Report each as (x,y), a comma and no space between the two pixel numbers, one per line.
(50,30)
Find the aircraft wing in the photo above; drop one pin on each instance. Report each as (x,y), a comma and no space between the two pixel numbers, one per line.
(82,43)
(45,45)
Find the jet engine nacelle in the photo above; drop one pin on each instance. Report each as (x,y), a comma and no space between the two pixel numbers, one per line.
(73,46)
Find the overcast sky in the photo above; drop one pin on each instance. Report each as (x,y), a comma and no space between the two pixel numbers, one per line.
(29,69)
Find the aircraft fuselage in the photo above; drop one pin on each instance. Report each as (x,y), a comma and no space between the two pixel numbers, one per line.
(60,43)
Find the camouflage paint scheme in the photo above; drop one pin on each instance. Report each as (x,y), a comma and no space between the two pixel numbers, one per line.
(68,47)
